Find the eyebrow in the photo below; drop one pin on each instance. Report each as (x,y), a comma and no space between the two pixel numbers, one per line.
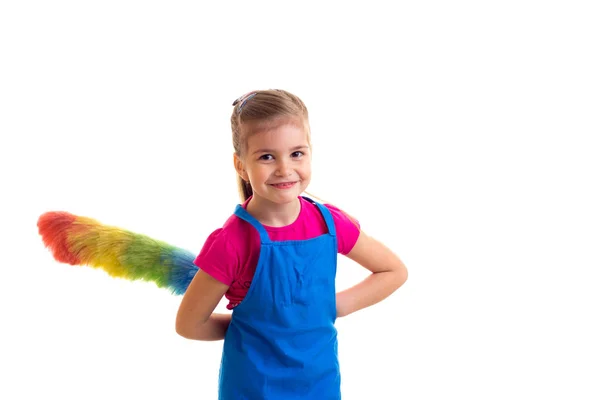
(273,151)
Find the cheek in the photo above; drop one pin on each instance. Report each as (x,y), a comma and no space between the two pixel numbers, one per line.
(306,169)
(259,171)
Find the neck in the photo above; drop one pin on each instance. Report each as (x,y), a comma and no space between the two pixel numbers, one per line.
(273,214)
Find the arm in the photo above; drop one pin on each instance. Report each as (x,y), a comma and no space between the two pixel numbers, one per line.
(388,274)
(195,318)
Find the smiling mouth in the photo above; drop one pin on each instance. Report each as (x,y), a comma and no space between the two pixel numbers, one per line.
(285,185)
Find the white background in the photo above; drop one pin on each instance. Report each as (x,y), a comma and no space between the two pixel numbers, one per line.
(464,135)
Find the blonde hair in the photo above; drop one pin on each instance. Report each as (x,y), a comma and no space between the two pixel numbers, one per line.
(259,110)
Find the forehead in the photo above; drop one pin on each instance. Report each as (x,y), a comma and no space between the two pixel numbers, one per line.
(284,133)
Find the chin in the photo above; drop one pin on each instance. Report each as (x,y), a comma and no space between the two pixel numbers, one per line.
(288,197)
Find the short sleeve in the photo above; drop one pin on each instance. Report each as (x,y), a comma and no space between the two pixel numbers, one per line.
(347,229)
(217,258)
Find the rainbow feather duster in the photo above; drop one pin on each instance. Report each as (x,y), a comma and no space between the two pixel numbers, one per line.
(83,241)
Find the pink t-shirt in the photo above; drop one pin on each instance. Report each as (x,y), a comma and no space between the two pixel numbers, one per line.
(230,253)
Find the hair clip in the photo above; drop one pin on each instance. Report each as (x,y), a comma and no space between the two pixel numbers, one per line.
(242,100)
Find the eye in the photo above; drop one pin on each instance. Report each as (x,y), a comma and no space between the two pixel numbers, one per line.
(266,157)
(297,154)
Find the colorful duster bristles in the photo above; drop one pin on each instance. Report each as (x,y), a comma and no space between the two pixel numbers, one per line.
(83,241)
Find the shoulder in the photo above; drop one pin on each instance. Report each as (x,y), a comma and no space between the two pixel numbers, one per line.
(230,235)
(341,217)
(347,227)
(224,250)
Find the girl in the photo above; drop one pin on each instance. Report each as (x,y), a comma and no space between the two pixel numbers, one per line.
(274,259)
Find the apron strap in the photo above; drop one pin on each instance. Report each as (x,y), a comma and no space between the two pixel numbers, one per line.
(245,215)
(326,215)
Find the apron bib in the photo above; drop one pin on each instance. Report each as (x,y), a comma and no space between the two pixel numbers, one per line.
(281,343)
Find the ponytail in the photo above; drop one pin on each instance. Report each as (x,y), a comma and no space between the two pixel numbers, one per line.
(244,188)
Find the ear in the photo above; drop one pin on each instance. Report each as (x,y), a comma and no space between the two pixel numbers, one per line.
(239,167)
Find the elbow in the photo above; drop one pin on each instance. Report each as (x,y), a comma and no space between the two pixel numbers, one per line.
(192,329)
(181,329)
(404,276)
(401,275)
(184,328)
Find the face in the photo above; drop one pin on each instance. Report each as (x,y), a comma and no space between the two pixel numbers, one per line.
(277,163)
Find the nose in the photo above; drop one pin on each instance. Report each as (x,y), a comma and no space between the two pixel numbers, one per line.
(283,168)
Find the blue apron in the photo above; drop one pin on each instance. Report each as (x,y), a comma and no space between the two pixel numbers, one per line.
(282,343)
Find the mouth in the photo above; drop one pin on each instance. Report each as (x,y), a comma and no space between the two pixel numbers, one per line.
(283,185)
